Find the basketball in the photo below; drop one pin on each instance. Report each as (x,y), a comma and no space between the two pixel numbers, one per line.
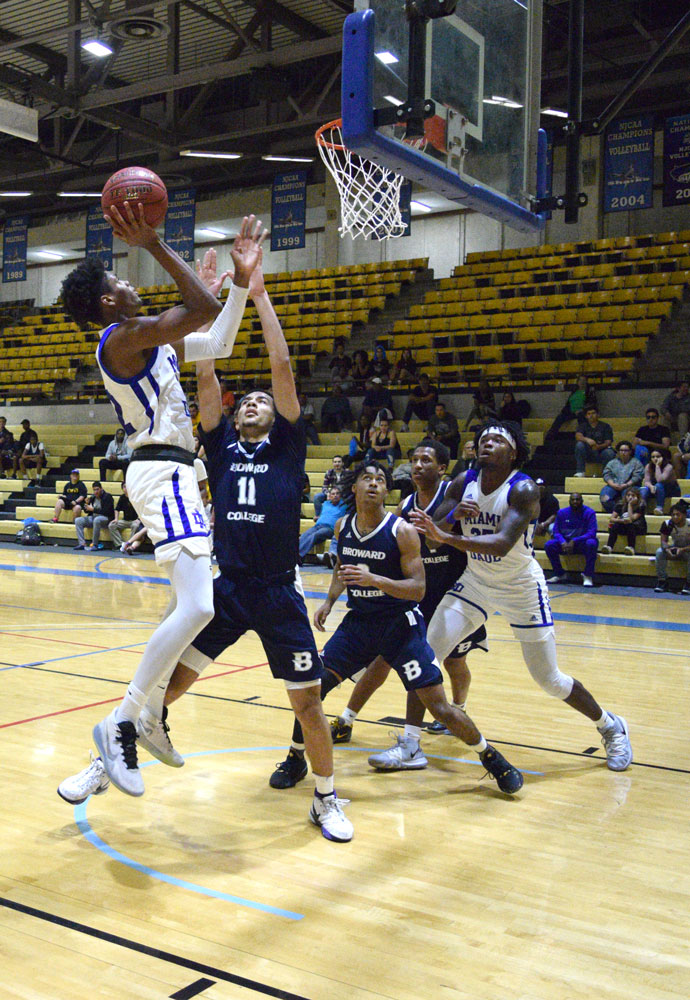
(136,184)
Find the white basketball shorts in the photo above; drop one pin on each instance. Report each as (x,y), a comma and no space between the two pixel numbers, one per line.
(166,497)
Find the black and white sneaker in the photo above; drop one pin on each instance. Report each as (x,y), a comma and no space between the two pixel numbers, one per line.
(289,771)
(327,813)
(117,745)
(508,778)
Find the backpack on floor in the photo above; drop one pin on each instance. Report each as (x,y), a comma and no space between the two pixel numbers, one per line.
(30,534)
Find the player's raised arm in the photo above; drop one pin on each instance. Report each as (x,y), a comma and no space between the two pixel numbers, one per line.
(282,378)
(451,499)
(208,395)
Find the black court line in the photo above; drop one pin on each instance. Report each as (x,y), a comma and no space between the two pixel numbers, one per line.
(193,990)
(388,720)
(163,956)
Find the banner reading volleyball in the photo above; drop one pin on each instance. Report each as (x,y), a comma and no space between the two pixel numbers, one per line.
(179,223)
(14,243)
(677,161)
(99,237)
(289,210)
(629,164)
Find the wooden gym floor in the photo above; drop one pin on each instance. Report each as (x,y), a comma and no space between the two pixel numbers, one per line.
(214,885)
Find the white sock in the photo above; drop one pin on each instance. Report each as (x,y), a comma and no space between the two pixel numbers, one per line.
(605,722)
(348,716)
(299,747)
(413,733)
(460,704)
(324,786)
(479,747)
(132,703)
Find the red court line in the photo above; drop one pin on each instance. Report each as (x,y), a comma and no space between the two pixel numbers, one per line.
(108,701)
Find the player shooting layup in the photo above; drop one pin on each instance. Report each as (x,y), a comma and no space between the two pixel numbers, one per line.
(139,360)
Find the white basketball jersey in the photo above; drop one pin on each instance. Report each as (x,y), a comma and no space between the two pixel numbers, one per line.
(151,407)
(496,571)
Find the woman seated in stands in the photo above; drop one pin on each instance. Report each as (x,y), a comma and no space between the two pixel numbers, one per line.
(681,460)
(405,367)
(483,403)
(659,479)
(628,519)
(361,368)
(383,443)
(33,456)
(380,365)
(511,409)
(359,443)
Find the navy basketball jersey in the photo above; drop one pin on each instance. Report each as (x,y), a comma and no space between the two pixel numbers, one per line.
(257,495)
(379,552)
(444,565)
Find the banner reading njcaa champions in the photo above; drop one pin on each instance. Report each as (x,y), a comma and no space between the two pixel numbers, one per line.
(14,243)
(629,164)
(99,237)
(179,223)
(677,161)
(289,210)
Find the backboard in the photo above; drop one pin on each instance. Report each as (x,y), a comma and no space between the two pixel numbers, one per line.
(482,70)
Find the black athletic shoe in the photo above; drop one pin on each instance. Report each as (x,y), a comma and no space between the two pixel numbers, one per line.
(438,727)
(341,731)
(661,587)
(508,778)
(289,771)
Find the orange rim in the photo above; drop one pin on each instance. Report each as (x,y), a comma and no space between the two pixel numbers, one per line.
(319,134)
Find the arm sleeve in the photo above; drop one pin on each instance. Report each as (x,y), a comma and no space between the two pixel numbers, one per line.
(219,341)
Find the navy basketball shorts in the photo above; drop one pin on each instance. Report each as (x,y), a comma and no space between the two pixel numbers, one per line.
(400,638)
(278,615)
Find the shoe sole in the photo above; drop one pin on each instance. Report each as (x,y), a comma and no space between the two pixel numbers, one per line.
(155,752)
(410,765)
(78,802)
(336,840)
(281,787)
(102,753)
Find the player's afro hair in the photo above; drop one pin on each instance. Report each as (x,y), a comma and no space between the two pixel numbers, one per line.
(82,290)
(515,431)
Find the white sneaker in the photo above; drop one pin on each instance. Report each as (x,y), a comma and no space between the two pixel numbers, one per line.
(587,581)
(152,734)
(580,475)
(91,781)
(628,550)
(327,813)
(406,755)
(616,740)
(117,745)
(605,550)
(556,579)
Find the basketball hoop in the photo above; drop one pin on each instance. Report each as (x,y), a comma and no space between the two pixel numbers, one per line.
(369,193)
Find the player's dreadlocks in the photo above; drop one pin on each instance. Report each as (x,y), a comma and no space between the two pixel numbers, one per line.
(82,290)
(350,477)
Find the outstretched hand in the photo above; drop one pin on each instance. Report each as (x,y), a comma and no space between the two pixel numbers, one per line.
(246,250)
(207,272)
(133,229)
(425,525)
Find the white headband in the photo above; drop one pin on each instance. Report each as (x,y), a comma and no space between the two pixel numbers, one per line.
(502,432)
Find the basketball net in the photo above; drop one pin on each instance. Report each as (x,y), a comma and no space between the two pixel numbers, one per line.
(369,193)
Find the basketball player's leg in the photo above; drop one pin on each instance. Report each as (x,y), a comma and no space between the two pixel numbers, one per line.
(367,685)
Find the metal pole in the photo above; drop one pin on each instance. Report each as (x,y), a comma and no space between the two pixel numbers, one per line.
(572,150)
(416,81)
(643,73)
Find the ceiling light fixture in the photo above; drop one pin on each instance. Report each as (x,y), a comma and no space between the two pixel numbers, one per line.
(79,194)
(289,159)
(215,234)
(97,47)
(393,100)
(387,58)
(15,194)
(419,206)
(49,254)
(205,154)
(555,112)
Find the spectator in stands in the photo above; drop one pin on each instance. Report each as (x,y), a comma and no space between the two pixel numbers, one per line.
(593,440)
(628,519)
(675,544)
(483,403)
(100,511)
(7,448)
(306,489)
(676,407)
(359,443)
(195,415)
(380,365)
(199,450)
(574,530)
(308,415)
(117,455)
(361,371)
(332,477)
(578,402)
(548,508)
(468,459)
(324,525)
(422,402)
(620,473)
(336,412)
(511,409)
(125,517)
(681,460)
(650,434)
(33,457)
(377,398)
(21,443)
(340,365)
(72,498)
(659,479)
(405,367)
(443,427)
(383,443)
(402,476)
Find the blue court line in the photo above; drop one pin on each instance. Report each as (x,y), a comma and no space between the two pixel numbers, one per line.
(92,574)
(69,614)
(72,656)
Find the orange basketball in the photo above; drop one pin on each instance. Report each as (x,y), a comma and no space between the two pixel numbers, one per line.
(136,184)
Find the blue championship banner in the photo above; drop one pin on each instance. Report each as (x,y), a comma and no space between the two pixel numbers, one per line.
(629,164)
(677,161)
(179,223)
(14,244)
(99,237)
(289,210)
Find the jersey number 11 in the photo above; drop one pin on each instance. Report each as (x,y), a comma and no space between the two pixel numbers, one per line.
(246,488)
